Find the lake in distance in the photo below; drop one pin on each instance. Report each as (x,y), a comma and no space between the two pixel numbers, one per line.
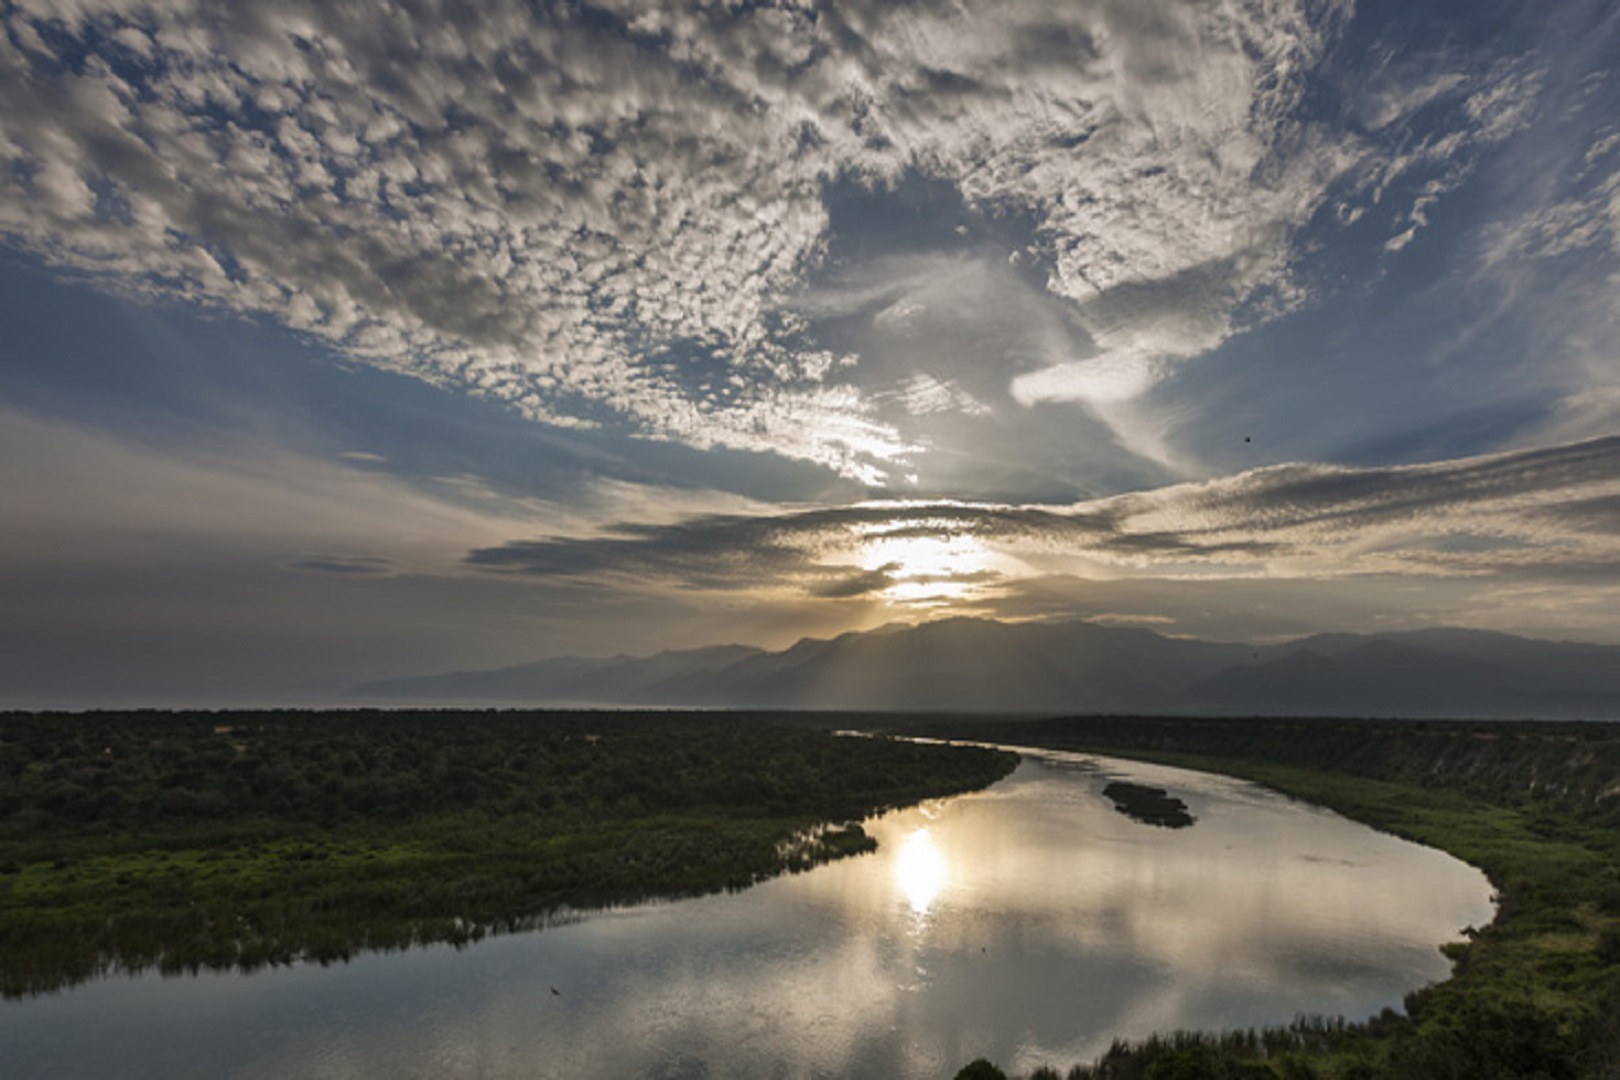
(1030,923)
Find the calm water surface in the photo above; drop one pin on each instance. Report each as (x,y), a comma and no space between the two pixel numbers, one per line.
(1030,923)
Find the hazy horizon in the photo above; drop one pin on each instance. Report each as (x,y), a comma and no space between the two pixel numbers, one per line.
(344,344)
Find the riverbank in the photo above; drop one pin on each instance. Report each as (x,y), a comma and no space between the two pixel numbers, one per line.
(186,841)
(1536,993)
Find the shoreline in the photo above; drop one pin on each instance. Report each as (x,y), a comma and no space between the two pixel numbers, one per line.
(188,842)
(1533,992)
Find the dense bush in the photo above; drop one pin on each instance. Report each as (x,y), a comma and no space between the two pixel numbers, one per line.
(217,839)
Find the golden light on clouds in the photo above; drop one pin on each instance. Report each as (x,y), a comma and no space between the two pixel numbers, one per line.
(935,570)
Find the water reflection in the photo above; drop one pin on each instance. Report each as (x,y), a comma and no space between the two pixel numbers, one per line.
(1053,925)
(919,869)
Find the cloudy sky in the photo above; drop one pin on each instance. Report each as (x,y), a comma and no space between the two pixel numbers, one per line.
(347,341)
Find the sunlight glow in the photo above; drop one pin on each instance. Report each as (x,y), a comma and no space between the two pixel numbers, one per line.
(934,570)
(919,870)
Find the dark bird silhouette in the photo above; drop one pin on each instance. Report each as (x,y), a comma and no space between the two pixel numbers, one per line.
(556,991)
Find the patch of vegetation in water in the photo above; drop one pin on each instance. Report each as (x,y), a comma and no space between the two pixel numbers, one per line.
(239,839)
(1149,805)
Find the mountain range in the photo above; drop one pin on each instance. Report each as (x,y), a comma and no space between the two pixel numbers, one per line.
(976,665)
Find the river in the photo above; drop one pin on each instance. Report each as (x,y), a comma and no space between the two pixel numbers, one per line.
(1030,923)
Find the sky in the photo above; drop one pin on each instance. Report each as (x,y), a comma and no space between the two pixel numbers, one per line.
(352,341)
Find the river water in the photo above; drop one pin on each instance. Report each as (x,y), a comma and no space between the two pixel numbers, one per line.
(1030,923)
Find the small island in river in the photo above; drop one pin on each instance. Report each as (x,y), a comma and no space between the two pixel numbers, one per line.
(1149,805)
(1533,804)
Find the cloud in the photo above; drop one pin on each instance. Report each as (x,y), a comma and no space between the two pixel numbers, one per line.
(1402,92)
(623,217)
(1600,514)
(558,211)
(1108,380)
(533,215)
(862,584)
(1485,515)
(1509,518)
(345,565)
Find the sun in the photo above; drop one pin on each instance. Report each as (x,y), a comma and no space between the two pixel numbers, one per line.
(941,569)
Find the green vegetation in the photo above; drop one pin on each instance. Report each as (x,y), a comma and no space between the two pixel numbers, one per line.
(1536,806)
(237,839)
(1150,805)
(189,840)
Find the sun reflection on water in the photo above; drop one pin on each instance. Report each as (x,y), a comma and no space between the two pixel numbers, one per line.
(919,870)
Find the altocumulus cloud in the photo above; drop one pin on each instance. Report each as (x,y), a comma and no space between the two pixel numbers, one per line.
(606,215)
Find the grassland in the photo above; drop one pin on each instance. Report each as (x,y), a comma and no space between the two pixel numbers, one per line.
(192,840)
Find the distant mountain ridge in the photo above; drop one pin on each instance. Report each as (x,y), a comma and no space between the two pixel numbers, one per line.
(568,679)
(978,665)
